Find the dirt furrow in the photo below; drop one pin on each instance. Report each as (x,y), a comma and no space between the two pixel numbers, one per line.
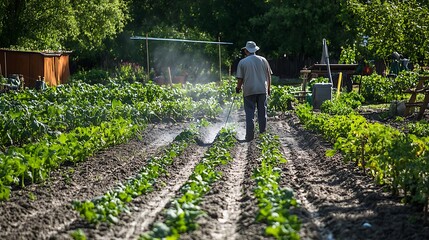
(338,201)
(223,203)
(42,210)
(312,226)
(147,208)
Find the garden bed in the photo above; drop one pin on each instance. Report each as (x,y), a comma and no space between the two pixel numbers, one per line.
(337,201)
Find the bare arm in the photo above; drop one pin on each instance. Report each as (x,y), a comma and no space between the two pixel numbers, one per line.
(269,83)
(239,83)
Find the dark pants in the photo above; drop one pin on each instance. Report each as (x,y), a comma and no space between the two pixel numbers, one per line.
(252,102)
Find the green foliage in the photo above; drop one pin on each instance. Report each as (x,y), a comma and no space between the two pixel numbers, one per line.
(93,76)
(344,104)
(43,130)
(98,20)
(46,25)
(54,25)
(420,128)
(281,99)
(183,212)
(336,108)
(391,157)
(294,16)
(389,26)
(353,99)
(33,162)
(78,235)
(131,72)
(108,207)
(348,55)
(378,89)
(97,30)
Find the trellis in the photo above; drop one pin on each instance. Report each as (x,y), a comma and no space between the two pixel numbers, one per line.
(219,43)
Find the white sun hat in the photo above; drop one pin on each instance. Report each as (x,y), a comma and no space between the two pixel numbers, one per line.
(251,46)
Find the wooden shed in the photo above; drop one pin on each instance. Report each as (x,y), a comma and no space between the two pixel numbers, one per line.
(53,66)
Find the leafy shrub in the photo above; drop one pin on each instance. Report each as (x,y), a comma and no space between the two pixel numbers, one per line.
(352,99)
(348,54)
(316,80)
(93,76)
(376,88)
(343,105)
(280,99)
(335,108)
(420,128)
(130,72)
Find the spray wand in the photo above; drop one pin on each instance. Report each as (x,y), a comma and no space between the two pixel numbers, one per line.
(230,108)
(200,141)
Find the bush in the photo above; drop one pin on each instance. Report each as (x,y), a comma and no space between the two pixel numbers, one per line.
(343,105)
(280,99)
(335,108)
(94,76)
(352,99)
(130,72)
(378,89)
(316,80)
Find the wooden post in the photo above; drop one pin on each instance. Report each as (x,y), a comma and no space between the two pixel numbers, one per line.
(340,77)
(5,65)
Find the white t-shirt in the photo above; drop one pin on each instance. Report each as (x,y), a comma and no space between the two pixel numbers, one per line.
(254,71)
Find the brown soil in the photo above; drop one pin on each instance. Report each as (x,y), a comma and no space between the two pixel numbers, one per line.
(337,200)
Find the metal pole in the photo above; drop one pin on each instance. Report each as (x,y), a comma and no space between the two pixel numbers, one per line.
(325,47)
(177,40)
(220,62)
(230,108)
(169,76)
(147,58)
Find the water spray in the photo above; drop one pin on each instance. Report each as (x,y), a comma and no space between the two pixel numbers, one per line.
(214,130)
(230,109)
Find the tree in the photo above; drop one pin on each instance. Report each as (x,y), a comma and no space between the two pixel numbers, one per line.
(383,27)
(298,27)
(64,24)
(46,25)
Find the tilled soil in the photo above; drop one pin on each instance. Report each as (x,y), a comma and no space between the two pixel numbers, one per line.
(41,211)
(337,200)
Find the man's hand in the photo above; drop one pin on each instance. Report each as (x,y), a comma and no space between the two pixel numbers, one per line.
(237,90)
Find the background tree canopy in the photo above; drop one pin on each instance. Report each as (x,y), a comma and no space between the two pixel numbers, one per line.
(98,31)
(389,26)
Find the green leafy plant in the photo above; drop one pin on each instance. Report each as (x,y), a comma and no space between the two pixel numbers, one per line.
(274,202)
(78,235)
(108,207)
(281,99)
(391,157)
(181,216)
(348,54)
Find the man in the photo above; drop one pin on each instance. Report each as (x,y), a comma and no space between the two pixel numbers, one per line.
(254,77)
